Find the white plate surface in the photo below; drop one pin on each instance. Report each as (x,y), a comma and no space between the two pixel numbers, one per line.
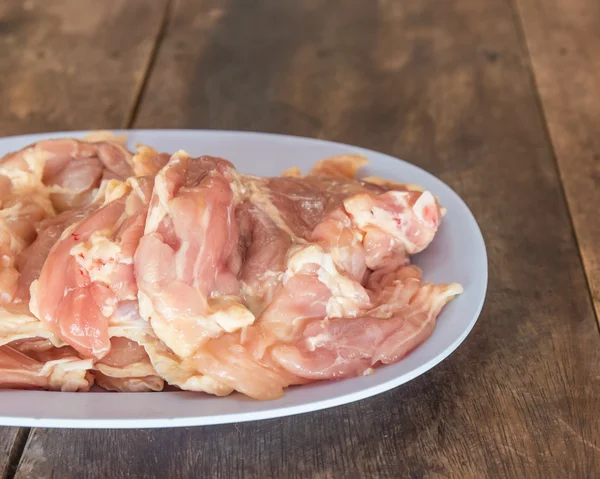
(456,254)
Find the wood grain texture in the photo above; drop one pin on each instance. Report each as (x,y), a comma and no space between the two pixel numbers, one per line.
(563,37)
(7,439)
(73,64)
(447,86)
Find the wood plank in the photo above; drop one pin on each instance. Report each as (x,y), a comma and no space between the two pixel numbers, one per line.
(447,86)
(75,64)
(563,37)
(8,436)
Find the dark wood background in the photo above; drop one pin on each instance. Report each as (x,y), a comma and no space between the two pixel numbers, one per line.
(498,98)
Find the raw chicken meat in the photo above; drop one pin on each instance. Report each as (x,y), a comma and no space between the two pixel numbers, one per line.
(90,269)
(55,369)
(188,260)
(148,161)
(29,262)
(67,171)
(179,372)
(17,323)
(403,317)
(135,271)
(37,182)
(18,218)
(127,367)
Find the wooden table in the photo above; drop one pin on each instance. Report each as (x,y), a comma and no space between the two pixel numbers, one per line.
(499,98)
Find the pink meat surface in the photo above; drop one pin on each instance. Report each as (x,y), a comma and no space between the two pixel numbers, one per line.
(90,270)
(46,187)
(127,367)
(55,369)
(162,271)
(403,317)
(188,260)
(69,170)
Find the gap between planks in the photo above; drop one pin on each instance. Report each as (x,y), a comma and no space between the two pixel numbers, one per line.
(16,451)
(148,68)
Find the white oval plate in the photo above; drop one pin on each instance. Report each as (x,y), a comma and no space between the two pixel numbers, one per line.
(457,254)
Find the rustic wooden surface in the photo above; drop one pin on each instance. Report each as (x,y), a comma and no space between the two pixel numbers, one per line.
(73,64)
(8,437)
(69,65)
(448,86)
(567,71)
